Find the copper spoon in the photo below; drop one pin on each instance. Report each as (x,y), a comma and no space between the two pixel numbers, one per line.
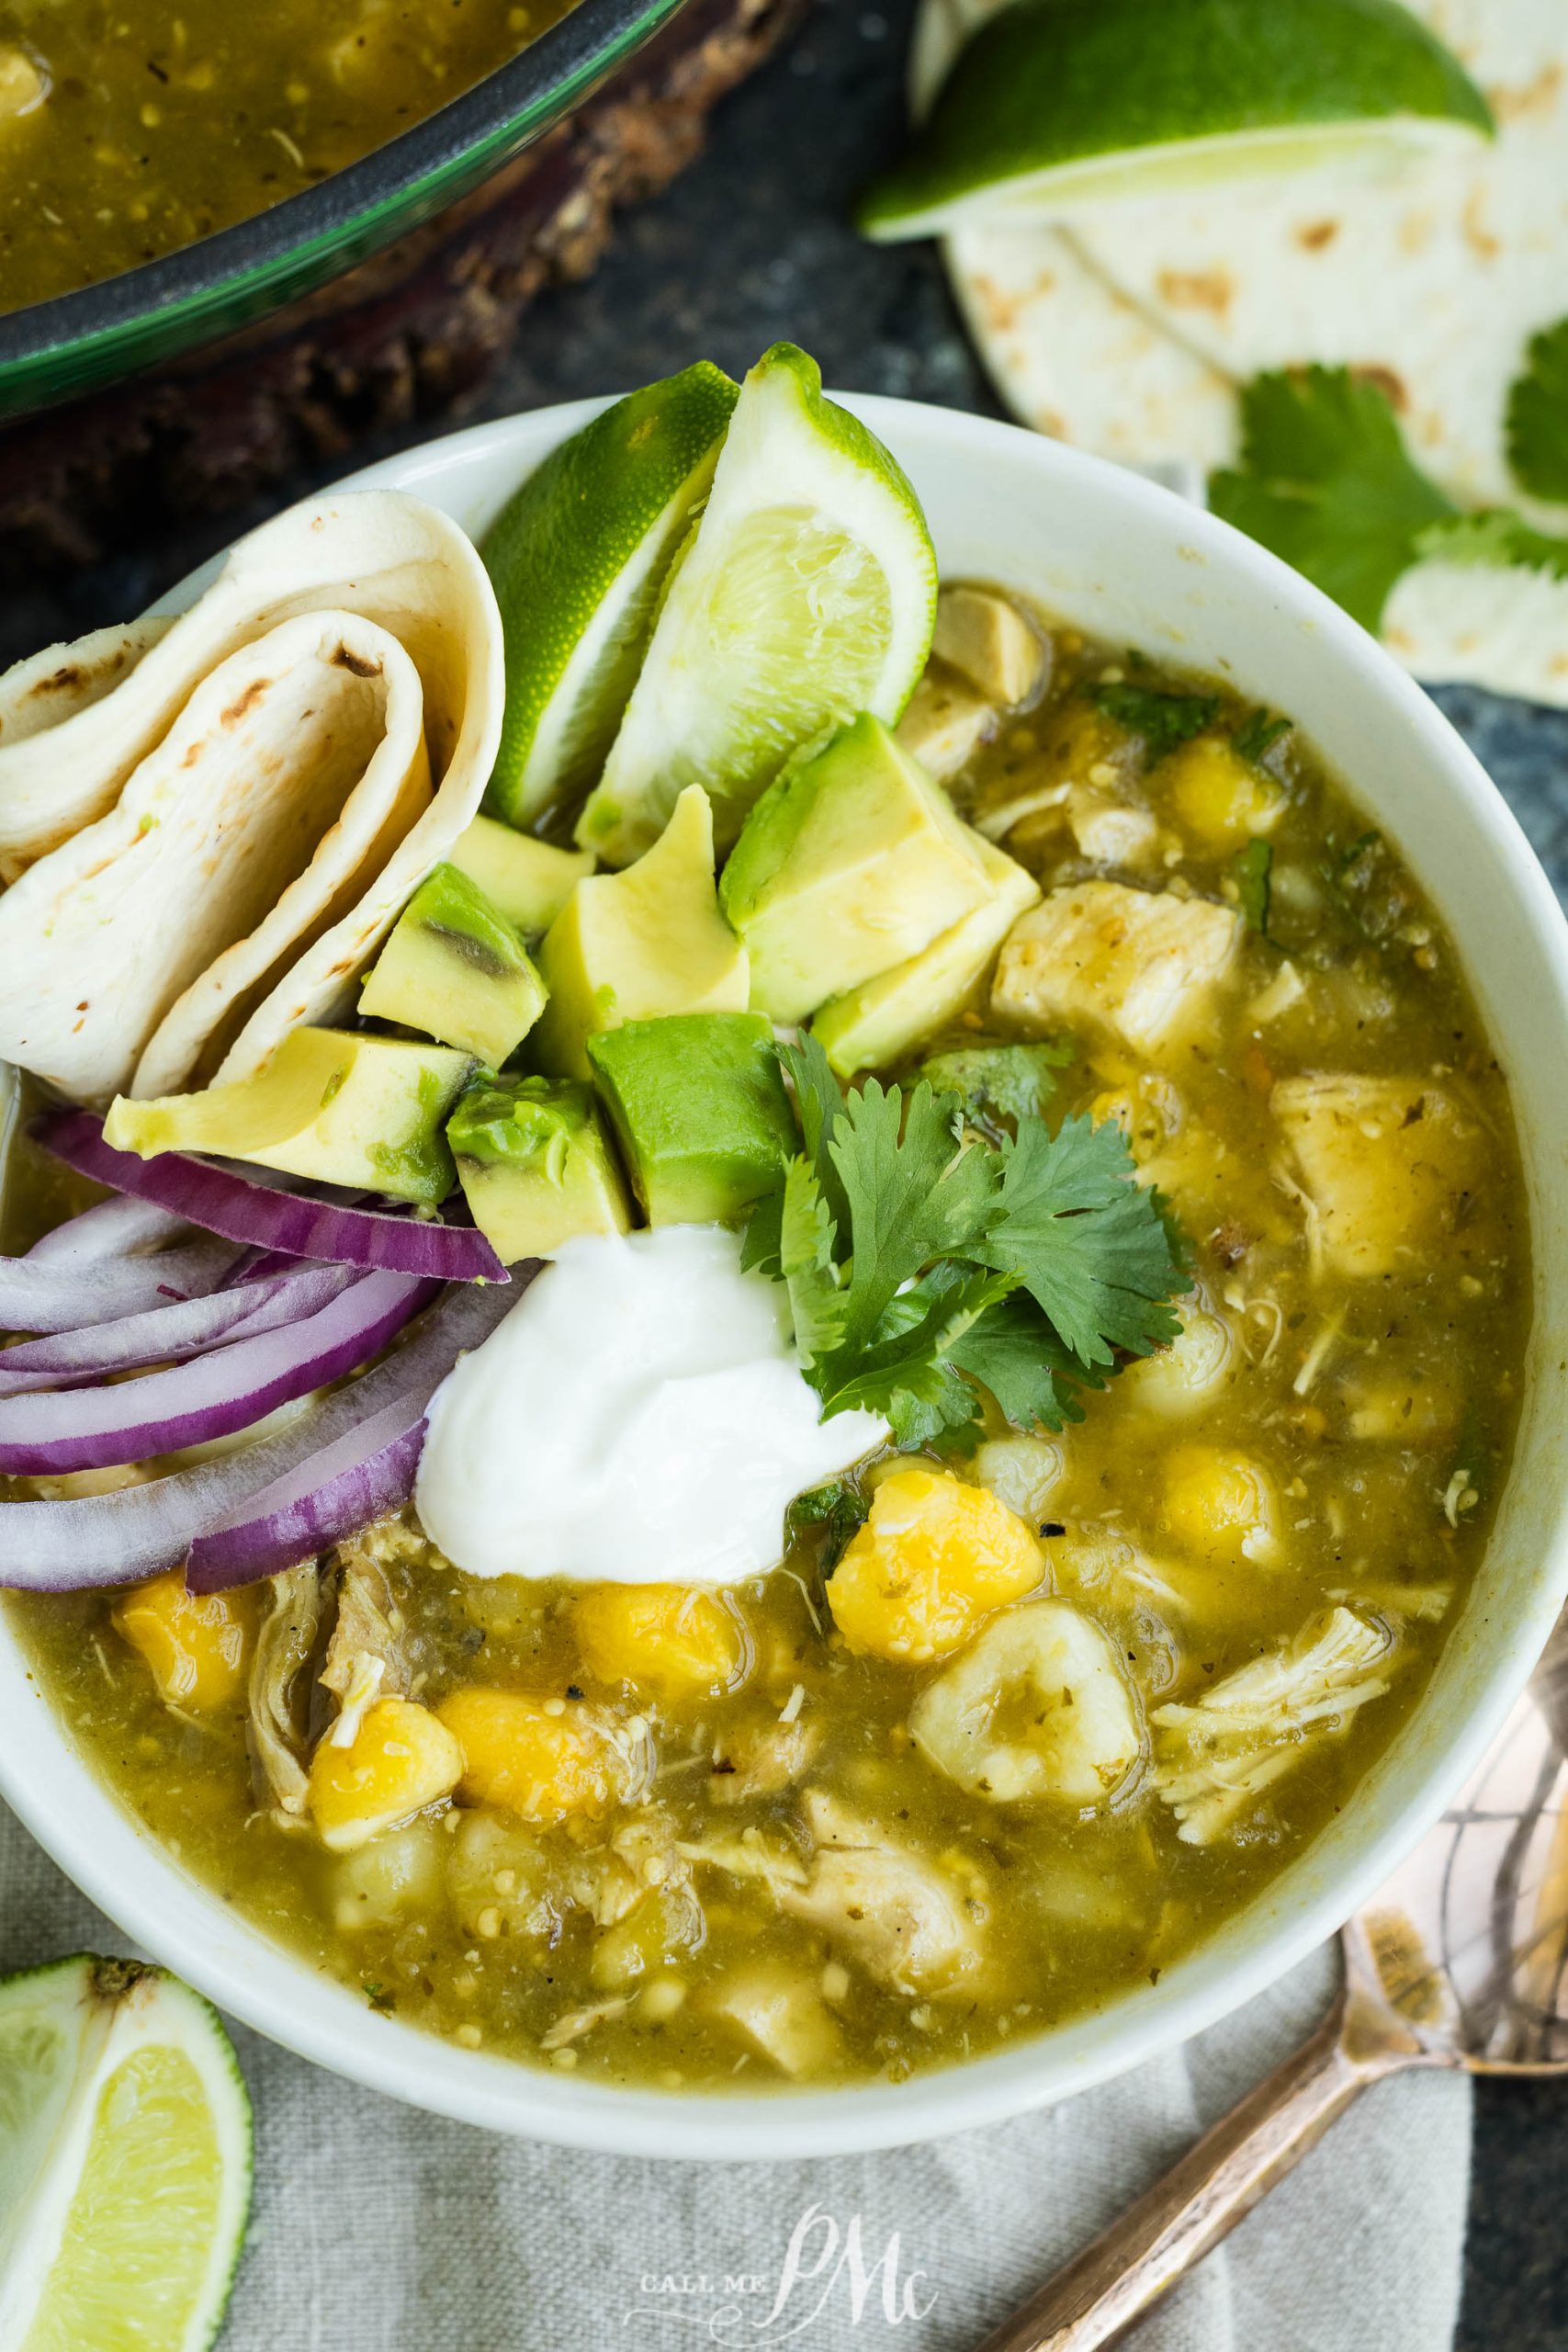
(1461,1960)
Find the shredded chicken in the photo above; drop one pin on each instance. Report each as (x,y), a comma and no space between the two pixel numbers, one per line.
(1216,1757)
(763,1759)
(574,2023)
(284,1646)
(367,1657)
(902,1919)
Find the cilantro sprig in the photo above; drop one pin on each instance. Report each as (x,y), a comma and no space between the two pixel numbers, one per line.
(1164,721)
(925,1263)
(1538,416)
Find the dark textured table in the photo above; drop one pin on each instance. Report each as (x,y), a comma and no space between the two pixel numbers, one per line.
(754,244)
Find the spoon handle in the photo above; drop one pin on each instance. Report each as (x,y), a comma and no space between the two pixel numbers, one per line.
(1204,2195)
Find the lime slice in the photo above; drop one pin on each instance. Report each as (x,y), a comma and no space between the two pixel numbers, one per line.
(125,2161)
(806,594)
(578,556)
(1058,105)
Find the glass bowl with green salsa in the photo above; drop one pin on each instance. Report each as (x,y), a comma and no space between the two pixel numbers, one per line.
(165,178)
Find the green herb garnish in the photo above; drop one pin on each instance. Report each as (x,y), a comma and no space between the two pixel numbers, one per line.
(1494,535)
(924,1264)
(1259,733)
(997,1081)
(1164,721)
(1252,869)
(832,1512)
(1538,416)
(1324,480)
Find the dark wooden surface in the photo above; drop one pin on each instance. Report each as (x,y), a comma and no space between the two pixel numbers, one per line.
(752,244)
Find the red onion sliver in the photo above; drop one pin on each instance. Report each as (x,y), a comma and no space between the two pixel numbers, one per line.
(118,1538)
(368,1470)
(170,1334)
(224,1390)
(109,1229)
(59,1295)
(242,1205)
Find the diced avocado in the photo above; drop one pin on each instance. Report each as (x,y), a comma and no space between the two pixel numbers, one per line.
(332,1103)
(847,864)
(874,1026)
(535,1166)
(650,940)
(455,967)
(700,1110)
(529,881)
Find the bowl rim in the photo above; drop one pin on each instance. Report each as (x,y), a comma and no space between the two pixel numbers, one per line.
(292,245)
(119,1866)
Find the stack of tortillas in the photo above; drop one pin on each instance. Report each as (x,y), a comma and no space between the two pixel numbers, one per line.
(209,824)
(1131,332)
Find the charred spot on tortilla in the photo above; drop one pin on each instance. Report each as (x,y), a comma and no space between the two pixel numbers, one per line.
(343,658)
(244,706)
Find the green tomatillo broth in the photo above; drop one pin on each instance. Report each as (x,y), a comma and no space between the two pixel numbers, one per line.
(829,1839)
(127,130)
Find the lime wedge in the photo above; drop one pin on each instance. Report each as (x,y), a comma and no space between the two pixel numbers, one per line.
(1058,105)
(125,2161)
(807,593)
(577,556)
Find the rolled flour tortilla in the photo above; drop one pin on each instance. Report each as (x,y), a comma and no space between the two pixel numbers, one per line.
(1132,335)
(300,785)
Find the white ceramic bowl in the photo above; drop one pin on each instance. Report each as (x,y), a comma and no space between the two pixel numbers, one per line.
(1132,563)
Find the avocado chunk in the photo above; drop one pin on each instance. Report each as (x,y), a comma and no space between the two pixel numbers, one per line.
(455,967)
(699,1107)
(650,940)
(535,1166)
(876,1026)
(529,881)
(848,864)
(332,1103)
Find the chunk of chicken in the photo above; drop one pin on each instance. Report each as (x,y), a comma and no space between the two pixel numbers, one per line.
(366,1657)
(284,1646)
(782,2018)
(897,1916)
(1142,964)
(1389,1167)
(763,1760)
(1038,1707)
(988,642)
(1111,831)
(945,725)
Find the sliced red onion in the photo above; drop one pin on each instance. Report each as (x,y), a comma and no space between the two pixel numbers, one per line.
(224,1390)
(136,1530)
(170,1334)
(242,1205)
(369,1470)
(59,1295)
(109,1229)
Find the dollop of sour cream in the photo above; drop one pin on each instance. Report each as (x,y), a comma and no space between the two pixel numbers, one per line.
(640,1417)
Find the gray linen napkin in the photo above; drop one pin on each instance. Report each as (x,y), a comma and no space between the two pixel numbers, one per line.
(380,2230)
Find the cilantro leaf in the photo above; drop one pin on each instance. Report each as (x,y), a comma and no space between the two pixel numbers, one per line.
(1086,1241)
(1259,733)
(806,1265)
(835,1509)
(1538,416)
(819,1106)
(1251,869)
(1012,1351)
(999,1081)
(1492,535)
(915,1193)
(1324,480)
(1164,721)
(904,1374)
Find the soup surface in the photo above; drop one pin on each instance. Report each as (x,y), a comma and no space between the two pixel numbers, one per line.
(128,131)
(1061,1704)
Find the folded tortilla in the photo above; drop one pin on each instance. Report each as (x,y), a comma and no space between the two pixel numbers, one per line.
(270,776)
(1129,335)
